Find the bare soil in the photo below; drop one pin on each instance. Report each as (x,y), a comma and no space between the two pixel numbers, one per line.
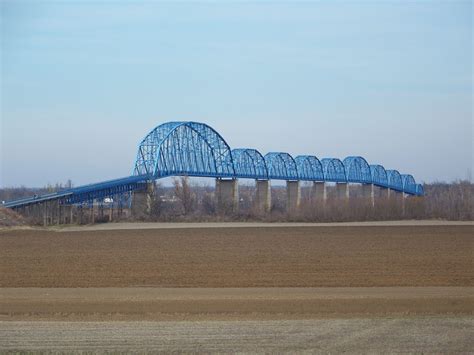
(194,225)
(351,288)
(446,335)
(105,304)
(240,257)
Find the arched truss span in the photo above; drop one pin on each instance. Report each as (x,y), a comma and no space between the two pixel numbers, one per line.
(334,170)
(379,175)
(394,180)
(409,184)
(184,148)
(309,168)
(195,149)
(420,191)
(281,166)
(357,170)
(249,163)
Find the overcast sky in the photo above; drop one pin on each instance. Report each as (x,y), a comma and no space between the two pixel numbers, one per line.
(83,82)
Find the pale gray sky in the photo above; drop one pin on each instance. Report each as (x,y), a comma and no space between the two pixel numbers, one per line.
(83,82)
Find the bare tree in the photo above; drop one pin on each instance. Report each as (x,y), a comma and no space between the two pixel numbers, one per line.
(156,207)
(184,193)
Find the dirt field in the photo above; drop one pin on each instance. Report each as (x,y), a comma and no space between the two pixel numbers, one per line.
(308,288)
(239,257)
(195,225)
(426,335)
(105,304)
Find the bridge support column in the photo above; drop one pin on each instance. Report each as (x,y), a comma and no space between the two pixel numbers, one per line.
(368,192)
(342,191)
(92,220)
(404,197)
(227,195)
(71,214)
(44,207)
(263,195)
(385,193)
(293,195)
(319,192)
(142,200)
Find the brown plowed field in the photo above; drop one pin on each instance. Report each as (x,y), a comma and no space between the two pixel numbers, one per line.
(268,289)
(272,303)
(240,257)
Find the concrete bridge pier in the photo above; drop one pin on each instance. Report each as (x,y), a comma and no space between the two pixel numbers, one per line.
(319,192)
(368,192)
(342,191)
(263,195)
(92,213)
(227,194)
(142,200)
(293,195)
(67,214)
(404,197)
(71,214)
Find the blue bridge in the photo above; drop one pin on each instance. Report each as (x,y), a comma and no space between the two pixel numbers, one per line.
(196,150)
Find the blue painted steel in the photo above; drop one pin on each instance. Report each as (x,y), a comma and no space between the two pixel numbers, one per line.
(395,180)
(420,191)
(379,175)
(281,166)
(357,170)
(107,189)
(184,148)
(195,149)
(34,199)
(309,168)
(86,193)
(409,184)
(249,163)
(334,170)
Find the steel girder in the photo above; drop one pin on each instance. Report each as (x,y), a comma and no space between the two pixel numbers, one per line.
(249,163)
(357,170)
(184,148)
(87,193)
(379,175)
(309,168)
(334,170)
(409,184)
(395,180)
(420,191)
(281,166)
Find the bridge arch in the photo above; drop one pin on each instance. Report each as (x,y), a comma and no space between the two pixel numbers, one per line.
(395,180)
(249,163)
(309,168)
(379,175)
(281,166)
(409,184)
(357,170)
(420,191)
(334,170)
(184,148)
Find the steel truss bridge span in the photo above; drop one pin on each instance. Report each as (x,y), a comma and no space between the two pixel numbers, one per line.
(197,150)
